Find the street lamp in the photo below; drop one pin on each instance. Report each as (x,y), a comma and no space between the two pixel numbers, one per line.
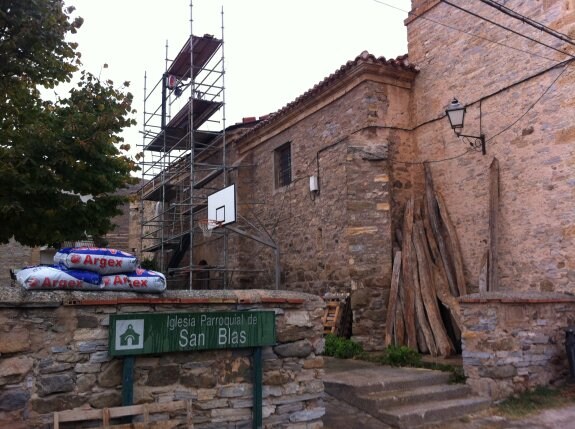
(456,114)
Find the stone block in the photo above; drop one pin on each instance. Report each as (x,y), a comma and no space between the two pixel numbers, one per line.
(92,368)
(15,340)
(234,391)
(276,378)
(293,333)
(47,366)
(69,357)
(230,414)
(85,382)
(206,394)
(111,374)
(13,399)
(315,363)
(106,399)
(296,349)
(55,383)
(92,346)
(298,318)
(56,403)
(13,370)
(204,380)
(289,408)
(307,415)
(100,357)
(88,321)
(164,376)
(90,334)
(214,403)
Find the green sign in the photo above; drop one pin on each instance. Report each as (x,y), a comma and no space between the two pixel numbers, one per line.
(151,333)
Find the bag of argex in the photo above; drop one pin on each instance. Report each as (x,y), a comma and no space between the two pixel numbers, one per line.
(147,280)
(140,280)
(50,277)
(99,260)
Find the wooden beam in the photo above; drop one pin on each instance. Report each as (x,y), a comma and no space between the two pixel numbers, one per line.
(492,273)
(392,301)
(409,292)
(428,293)
(425,339)
(115,412)
(433,213)
(453,244)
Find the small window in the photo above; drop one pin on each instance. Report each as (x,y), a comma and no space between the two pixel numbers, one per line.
(282,165)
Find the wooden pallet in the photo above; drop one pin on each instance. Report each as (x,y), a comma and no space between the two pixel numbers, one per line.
(332,317)
(107,414)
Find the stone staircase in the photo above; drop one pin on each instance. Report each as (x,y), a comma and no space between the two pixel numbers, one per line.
(401,397)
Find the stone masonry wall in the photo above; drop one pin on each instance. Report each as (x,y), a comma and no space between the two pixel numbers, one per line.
(515,342)
(528,126)
(54,357)
(338,240)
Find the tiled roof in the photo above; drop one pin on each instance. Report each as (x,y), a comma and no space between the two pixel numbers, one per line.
(401,63)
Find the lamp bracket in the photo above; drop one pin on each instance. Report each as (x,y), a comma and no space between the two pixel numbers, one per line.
(477,143)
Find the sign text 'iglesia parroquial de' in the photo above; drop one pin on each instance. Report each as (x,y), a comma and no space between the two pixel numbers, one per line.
(136,334)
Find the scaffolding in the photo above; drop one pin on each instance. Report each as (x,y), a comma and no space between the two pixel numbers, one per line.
(183,156)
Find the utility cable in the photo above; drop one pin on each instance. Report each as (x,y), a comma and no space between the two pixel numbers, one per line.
(532,105)
(506,28)
(465,32)
(529,21)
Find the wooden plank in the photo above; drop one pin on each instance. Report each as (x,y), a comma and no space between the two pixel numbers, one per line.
(492,273)
(162,424)
(431,242)
(399,324)
(425,337)
(453,244)
(408,290)
(428,294)
(433,213)
(392,301)
(483,273)
(116,412)
(443,294)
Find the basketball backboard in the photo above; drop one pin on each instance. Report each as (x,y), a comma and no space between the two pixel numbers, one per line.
(222,206)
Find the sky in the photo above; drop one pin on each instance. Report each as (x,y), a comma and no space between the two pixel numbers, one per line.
(274,51)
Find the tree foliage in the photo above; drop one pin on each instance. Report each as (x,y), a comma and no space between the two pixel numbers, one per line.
(54,151)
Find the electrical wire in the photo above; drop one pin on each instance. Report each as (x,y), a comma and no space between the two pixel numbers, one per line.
(465,32)
(532,105)
(506,28)
(526,20)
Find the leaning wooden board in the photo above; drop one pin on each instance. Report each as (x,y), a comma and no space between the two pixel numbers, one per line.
(107,414)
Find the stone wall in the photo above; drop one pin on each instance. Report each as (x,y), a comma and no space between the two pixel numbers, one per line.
(526,110)
(338,240)
(54,356)
(515,342)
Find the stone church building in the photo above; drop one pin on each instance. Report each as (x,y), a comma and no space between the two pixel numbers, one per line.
(365,132)
(327,176)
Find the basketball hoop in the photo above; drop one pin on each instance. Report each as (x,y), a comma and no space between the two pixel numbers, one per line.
(207,225)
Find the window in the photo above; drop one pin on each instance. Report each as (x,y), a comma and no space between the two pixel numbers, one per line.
(282,165)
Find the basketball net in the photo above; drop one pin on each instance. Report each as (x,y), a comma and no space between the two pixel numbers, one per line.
(207,226)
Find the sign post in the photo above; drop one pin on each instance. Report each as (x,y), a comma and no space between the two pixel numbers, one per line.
(153,333)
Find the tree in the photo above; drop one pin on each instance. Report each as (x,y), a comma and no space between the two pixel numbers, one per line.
(52,152)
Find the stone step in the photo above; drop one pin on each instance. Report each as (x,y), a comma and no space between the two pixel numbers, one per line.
(373,401)
(425,413)
(401,397)
(377,379)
